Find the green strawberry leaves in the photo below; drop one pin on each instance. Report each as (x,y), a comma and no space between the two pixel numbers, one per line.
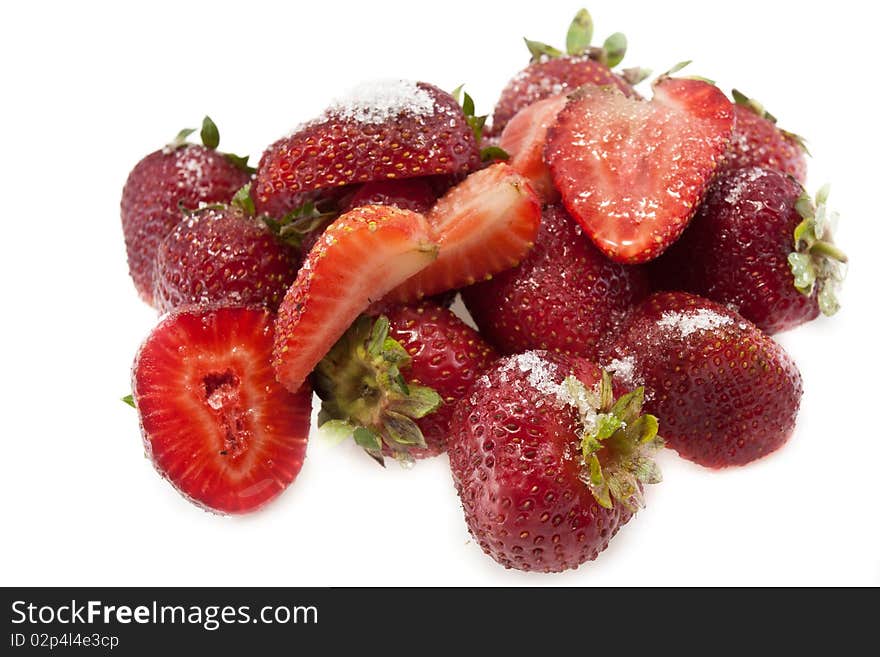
(365,394)
(312,216)
(129,399)
(816,262)
(210,136)
(618,442)
(578,43)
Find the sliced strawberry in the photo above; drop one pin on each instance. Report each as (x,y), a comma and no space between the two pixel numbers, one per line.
(484,225)
(631,172)
(360,257)
(215,422)
(384,130)
(524,138)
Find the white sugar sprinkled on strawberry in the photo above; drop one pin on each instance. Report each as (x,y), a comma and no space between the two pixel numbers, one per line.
(692,321)
(378,101)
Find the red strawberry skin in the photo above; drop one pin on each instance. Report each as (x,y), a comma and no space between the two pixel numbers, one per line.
(220,255)
(757,142)
(514,460)
(524,138)
(346,147)
(358,259)
(447,355)
(156,189)
(416,194)
(564,297)
(736,250)
(483,225)
(632,173)
(725,394)
(215,422)
(547,77)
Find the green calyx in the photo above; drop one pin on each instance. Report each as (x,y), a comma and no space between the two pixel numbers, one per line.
(618,442)
(578,42)
(366,396)
(210,136)
(744,101)
(312,216)
(477,123)
(816,262)
(129,399)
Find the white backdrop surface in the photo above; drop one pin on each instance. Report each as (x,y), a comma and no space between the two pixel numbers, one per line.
(89,88)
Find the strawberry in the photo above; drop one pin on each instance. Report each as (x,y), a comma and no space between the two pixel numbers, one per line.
(392,381)
(384,130)
(564,296)
(758,141)
(554,73)
(761,245)
(483,225)
(215,422)
(179,176)
(524,138)
(221,254)
(631,172)
(547,465)
(416,194)
(359,258)
(724,392)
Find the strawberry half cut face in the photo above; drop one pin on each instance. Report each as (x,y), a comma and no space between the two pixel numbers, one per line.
(215,422)
(632,172)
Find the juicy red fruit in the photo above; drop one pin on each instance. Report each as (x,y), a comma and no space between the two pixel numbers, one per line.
(156,190)
(215,422)
(725,394)
(632,173)
(221,255)
(736,250)
(552,77)
(447,356)
(385,131)
(565,295)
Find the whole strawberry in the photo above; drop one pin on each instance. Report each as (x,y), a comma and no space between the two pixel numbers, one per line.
(393,381)
(163,184)
(554,73)
(416,194)
(724,393)
(564,297)
(385,130)
(758,142)
(547,465)
(760,244)
(221,254)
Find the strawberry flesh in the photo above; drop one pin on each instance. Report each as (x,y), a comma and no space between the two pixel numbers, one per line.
(484,225)
(524,138)
(631,172)
(215,422)
(359,258)
(554,76)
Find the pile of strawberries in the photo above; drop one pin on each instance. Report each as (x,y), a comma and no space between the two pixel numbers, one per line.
(625,259)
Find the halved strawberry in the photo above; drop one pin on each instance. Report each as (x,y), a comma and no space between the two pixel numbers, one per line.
(483,225)
(523,139)
(632,172)
(215,422)
(360,257)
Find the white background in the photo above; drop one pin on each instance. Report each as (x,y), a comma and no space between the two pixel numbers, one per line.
(89,89)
